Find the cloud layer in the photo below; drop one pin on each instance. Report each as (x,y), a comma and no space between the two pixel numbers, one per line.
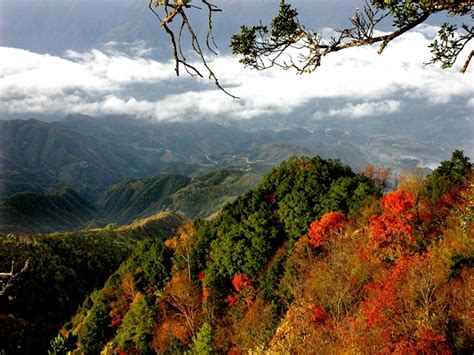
(124,79)
(365,109)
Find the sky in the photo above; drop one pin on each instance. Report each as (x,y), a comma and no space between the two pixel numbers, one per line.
(126,77)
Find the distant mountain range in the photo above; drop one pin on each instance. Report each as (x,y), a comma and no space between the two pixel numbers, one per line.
(122,168)
(89,154)
(39,156)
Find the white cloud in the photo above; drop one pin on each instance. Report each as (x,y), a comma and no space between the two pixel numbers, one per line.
(366,109)
(119,69)
(122,78)
(28,74)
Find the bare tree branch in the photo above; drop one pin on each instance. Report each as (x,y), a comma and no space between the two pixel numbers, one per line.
(263,47)
(468,61)
(8,278)
(178,9)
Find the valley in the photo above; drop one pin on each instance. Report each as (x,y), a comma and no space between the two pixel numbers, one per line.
(123,168)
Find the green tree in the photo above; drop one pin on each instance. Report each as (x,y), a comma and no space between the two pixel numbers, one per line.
(95,331)
(305,188)
(202,343)
(137,328)
(60,346)
(449,174)
(150,264)
(245,238)
(248,231)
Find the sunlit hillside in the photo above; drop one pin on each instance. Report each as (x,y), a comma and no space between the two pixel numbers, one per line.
(316,259)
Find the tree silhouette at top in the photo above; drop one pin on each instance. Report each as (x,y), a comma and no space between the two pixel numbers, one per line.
(274,45)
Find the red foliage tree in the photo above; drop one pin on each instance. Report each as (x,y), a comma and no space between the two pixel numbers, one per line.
(320,230)
(270,198)
(391,305)
(381,304)
(426,342)
(240,281)
(318,316)
(432,342)
(120,306)
(232,299)
(117,312)
(392,231)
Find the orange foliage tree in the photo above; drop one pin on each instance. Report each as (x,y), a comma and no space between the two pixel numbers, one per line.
(183,246)
(392,231)
(320,230)
(402,312)
(120,306)
(240,282)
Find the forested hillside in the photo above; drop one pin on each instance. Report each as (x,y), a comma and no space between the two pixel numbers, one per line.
(124,202)
(33,212)
(169,186)
(133,198)
(315,259)
(195,197)
(38,156)
(60,270)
